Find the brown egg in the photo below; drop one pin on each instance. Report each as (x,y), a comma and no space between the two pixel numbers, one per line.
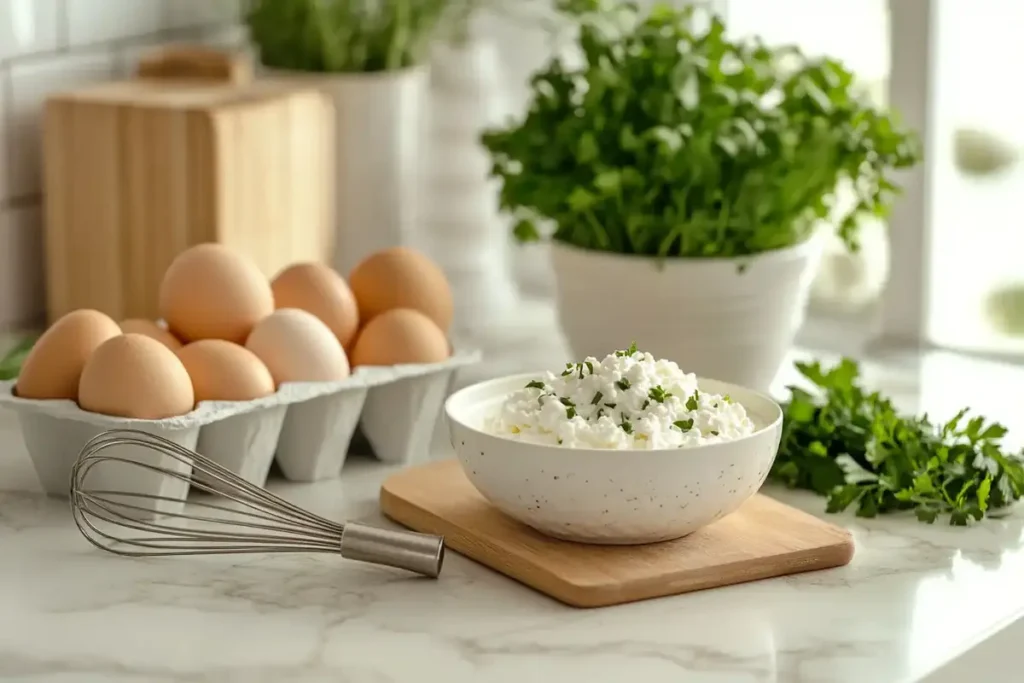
(211,292)
(400,336)
(133,375)
(150,329)
(318,289)
(224,371)
(297,347)
(400,277)
(54,365)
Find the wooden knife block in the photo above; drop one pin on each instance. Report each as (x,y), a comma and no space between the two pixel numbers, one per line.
(191,150)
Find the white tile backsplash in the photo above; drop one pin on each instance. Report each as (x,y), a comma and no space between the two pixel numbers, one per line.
(229,37)
(31,83)
(52,45)
(187,13)
(22,294)
(27,27)
(99,21)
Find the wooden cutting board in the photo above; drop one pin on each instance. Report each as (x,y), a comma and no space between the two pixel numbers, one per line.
(763,539)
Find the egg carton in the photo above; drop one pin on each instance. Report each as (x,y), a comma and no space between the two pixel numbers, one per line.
(305,426)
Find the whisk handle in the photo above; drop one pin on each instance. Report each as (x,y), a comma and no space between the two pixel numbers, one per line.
(415,552)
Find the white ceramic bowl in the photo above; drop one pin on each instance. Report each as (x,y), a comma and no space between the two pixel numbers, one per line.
(611,496)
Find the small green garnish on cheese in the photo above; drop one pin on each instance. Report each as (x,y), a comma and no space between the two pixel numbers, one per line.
(658,394)
(691,403)
(685,425)
(628,352)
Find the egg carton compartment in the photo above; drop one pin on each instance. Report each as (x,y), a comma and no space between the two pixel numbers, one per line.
(305,426)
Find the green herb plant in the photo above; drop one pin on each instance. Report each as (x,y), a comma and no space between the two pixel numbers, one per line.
(10,364)
(351,36)
(855,448)
(671,140)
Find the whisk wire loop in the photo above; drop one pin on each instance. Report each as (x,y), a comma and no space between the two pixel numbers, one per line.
(244,519)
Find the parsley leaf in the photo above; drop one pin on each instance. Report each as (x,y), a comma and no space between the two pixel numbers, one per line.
(853,446)
(692,402)
(626,425)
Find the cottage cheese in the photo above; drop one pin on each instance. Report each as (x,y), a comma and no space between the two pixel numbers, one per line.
(629,400)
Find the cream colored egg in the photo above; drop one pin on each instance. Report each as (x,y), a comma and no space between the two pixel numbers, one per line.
(224,371)
(296,346)
(318,289)
(400,336)
(54,366)
(136,376)
(400,277)
(150,329)
(212,292)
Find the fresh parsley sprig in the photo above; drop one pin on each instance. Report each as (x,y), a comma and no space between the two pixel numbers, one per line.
(854,447)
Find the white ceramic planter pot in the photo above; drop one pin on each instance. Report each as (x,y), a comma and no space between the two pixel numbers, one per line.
(381,125)
(704,314)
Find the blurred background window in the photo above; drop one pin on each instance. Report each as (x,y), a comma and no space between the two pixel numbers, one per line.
(975,295)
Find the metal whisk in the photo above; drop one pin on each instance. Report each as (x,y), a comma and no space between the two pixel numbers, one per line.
(244,519)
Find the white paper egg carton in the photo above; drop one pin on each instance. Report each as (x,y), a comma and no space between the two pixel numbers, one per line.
(305,426)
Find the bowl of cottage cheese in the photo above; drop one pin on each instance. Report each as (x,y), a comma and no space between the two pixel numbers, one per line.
(627,449)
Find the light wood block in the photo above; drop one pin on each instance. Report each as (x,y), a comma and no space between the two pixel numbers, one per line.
(190,151)
(763,539)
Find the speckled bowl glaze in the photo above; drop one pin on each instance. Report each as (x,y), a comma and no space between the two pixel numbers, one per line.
(612,497)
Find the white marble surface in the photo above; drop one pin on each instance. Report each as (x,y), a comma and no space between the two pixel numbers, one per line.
(914,597)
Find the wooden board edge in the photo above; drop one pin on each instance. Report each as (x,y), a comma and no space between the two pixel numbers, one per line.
(402,512)
(829,556)
(799,562)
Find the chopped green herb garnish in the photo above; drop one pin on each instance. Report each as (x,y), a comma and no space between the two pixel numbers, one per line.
(727,398)
(658,394)
(566,401)
(590,366)
(597,398)
(646,403)
(685,425)
(626,425)
(692,402)
(610,405)
(536,384)
(600,413)
(623,384)
(628,352)
(714,432)
(570,412)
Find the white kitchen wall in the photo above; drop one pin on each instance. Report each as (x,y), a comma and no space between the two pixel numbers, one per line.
(50,45)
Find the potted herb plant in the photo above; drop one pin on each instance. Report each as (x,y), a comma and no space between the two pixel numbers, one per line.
(680,174)
(371,57)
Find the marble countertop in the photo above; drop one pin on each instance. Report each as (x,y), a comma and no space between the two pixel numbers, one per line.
(915,596)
